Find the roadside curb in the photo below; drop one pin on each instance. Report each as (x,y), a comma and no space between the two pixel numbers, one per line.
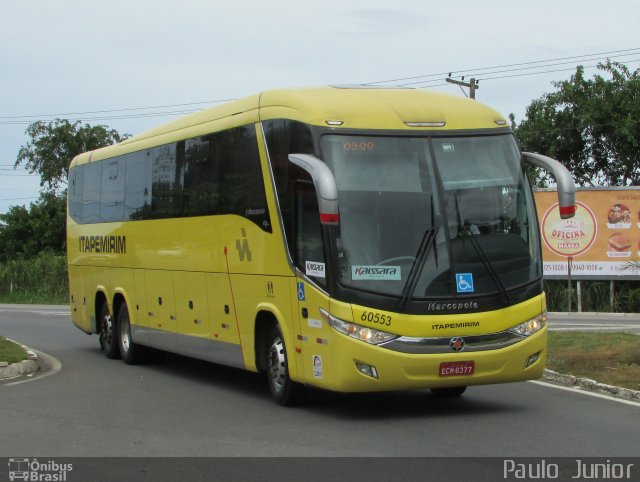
(22,368)
(591,385)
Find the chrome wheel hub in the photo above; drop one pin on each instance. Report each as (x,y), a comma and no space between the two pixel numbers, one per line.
(277,364)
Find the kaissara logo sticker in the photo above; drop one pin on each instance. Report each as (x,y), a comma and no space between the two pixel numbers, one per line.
(360,273)
(314,268)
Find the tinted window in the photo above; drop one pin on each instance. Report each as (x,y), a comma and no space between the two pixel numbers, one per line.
(91,193)
(200,178)
(242,183)
(112,192)
(76,185)
(137,204)
(165,200)
(215,174)
(286,137)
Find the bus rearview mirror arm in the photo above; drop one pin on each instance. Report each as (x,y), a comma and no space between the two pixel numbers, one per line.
(325,184)
(564,181)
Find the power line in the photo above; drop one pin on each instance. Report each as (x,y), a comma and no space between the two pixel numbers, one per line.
(436,81)
(114,117)
(514,75)
(478,70)
(115,110)
(548,71)
(19,198)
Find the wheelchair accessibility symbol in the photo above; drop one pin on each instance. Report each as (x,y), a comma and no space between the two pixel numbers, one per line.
(301,295)
(464,282)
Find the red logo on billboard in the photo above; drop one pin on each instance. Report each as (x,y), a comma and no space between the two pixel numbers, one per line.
(569,237)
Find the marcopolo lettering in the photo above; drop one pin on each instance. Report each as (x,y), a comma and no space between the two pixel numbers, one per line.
(103,244)
(254,212)
(467,305)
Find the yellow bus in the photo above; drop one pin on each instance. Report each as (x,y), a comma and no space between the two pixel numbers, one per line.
(346,238)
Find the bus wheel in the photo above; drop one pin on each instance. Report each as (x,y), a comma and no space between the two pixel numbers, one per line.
(108,333)
(283,390)
(448,392)
(131,352)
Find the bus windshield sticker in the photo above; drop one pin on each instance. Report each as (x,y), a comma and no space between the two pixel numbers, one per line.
(313,268)
(386,273)
(447,147)
(464,282)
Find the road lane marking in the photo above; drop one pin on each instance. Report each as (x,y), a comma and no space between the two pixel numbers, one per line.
(586,392)
(54,367)
(38,312)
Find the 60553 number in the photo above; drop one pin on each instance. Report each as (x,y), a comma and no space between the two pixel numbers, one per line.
(379,318)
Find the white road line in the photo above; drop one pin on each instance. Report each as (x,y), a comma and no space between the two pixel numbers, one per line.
(585,392)
(596,328)
(54,367)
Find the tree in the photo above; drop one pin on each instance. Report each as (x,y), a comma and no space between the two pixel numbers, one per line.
(54,144)
(592,126)
(25,233)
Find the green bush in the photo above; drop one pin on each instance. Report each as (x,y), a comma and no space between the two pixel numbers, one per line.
(596,296)
(41,279)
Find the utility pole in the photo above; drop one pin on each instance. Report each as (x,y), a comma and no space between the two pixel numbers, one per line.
(472,85)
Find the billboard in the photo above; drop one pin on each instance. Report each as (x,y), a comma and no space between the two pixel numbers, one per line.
(600,241)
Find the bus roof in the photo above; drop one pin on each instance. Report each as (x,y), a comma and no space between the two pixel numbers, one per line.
(340,107)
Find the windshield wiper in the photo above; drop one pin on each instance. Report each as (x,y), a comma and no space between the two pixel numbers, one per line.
(417,267)
(489,266)
(464,233)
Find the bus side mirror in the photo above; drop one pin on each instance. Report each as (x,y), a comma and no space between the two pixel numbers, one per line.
(325,185)
(564,181)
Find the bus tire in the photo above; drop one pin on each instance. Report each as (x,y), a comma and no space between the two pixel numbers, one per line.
(283,390)
(448,392)
(131,352)
(108,333)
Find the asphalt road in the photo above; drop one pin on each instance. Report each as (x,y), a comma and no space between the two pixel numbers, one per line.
(618,322)
(181,407)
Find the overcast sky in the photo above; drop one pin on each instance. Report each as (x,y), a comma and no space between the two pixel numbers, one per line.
(62,57)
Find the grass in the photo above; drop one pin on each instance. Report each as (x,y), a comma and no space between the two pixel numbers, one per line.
(34,298)
(11,352)
(39,280)
(610,358)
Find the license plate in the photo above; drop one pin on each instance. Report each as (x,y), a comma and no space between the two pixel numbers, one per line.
(457,369)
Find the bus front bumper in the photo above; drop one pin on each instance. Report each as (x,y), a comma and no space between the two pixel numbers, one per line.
(356,366)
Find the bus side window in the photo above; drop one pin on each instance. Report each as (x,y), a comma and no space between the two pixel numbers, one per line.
(200,178)
(91,193)
(76,188)
(112,190)
(137,196)
(308,230)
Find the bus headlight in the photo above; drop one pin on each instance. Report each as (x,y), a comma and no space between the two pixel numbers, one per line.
(359,332)
(531,326)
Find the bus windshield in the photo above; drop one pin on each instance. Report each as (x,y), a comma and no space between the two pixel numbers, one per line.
(466,196)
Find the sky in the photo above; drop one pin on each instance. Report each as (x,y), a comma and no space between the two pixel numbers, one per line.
(76,59)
